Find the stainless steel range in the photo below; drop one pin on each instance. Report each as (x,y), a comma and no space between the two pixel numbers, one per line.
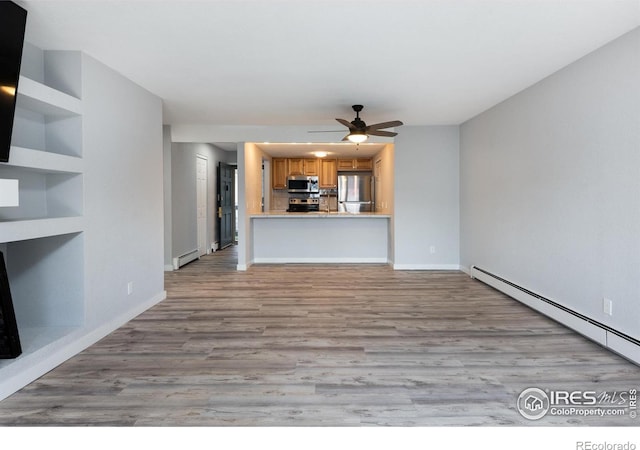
(304,203)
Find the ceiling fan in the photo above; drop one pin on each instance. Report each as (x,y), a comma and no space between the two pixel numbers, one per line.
(359,131)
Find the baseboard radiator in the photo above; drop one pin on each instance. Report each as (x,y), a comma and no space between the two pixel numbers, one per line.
(623,344)
(185,259)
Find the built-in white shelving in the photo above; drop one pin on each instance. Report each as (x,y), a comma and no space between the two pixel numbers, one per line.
(39,161)
(46,100)
(20,230)
(42,238)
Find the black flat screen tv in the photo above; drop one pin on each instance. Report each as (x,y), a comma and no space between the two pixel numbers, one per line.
(9,338)
(13,21)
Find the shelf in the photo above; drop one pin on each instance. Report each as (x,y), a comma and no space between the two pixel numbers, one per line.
(40,98)
(43,195)
(39,347)
(42,238)
(41,161)
(47,119)
(34,339)
(20,230)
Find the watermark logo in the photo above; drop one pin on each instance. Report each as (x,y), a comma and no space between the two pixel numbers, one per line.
(534,403)
(589,445)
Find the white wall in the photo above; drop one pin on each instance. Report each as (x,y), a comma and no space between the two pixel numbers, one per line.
(426,204)
(549,186)
(384,195)
(385,182)
(184,236)
(122,145)
(183,194)
(250,159)
(428,213)
(167,191)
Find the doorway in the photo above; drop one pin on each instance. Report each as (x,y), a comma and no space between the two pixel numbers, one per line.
(226,204)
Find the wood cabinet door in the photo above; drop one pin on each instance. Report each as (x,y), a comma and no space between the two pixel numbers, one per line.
(345,164)
(363,164)
(328,178)
(355,164)
(279,173)
(311,167)
(296,166)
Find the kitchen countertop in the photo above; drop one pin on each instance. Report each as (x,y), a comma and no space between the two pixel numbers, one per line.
(319,215)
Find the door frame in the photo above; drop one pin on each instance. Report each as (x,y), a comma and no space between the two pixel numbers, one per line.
(219,206)
(207,246)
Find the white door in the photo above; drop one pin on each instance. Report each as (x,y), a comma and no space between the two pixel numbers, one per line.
(201,203)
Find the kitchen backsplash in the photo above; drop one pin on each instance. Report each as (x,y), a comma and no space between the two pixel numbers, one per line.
(279,200)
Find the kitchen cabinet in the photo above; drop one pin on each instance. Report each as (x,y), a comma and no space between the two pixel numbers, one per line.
(328,177)
(279,172)
(296,166)
(303,166)
(355,164)
(311,166)
(363,164)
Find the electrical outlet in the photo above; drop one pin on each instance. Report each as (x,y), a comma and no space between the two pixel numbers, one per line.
(607,306)
(130,288)
(432,249)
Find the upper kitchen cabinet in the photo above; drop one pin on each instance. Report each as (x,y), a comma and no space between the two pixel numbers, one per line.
(303,166)
(355,164)
(328,177)
(296,166)
(311,167)
(279,172)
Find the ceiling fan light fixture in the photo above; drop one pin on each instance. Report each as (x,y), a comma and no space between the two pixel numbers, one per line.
(357,137)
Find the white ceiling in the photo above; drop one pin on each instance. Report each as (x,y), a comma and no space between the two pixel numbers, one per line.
(306,62)
(333,150)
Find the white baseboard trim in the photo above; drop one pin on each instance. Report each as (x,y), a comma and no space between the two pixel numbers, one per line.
(556,314)
(426,267)
(588,327)
(623,347)
(34,365)
(95,335)
(186,258)
(466,270)
(329,260)
(168,267)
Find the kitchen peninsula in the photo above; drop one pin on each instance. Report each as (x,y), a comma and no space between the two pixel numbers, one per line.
(320,237)
(280,179)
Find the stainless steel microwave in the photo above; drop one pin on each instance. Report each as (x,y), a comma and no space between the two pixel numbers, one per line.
(302,183)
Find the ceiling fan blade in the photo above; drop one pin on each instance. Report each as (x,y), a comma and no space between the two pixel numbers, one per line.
(346,123)
(382,133)
(346,138)
(377,126)
(325,131)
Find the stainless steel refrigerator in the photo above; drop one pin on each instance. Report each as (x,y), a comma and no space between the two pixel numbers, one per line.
(355,192)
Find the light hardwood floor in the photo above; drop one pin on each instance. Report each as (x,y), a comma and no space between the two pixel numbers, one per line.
(313,345)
